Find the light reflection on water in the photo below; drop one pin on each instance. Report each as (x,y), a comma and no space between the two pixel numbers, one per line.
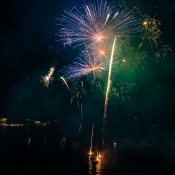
(94,166)
(39,147)
(49,152)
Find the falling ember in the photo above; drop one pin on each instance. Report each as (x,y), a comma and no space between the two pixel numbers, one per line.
(108,86)
(48,77)
(65,83)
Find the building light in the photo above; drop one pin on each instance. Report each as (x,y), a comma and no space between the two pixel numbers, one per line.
(37,122)
(4,120)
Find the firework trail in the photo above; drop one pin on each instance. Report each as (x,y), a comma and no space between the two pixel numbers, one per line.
(65,83)
(48,77)
(97,23)
(108,86)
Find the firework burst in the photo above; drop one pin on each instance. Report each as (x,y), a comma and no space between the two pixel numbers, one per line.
(48,77)
(96,24)
(84,65)
(150,29)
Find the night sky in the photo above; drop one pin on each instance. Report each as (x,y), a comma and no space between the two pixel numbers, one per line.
(29,47)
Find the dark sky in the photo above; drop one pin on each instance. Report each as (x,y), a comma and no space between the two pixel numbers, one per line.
(29,47)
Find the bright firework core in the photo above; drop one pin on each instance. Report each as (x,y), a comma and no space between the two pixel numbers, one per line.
(98,38)
(145,23)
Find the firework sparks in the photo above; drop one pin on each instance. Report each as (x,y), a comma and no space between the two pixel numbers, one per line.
(150,29)
(77,92)
(162,51)
(97,23)
(130,58)
(151,32)
(121,90)
(108,85)
(48,77)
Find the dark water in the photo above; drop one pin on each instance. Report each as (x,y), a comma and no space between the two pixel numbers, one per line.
(50,156)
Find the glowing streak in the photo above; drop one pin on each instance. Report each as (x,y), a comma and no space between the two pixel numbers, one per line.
(107,18)
(115,15)
(88,11)
(82,84)
(65,83)
(108,84)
